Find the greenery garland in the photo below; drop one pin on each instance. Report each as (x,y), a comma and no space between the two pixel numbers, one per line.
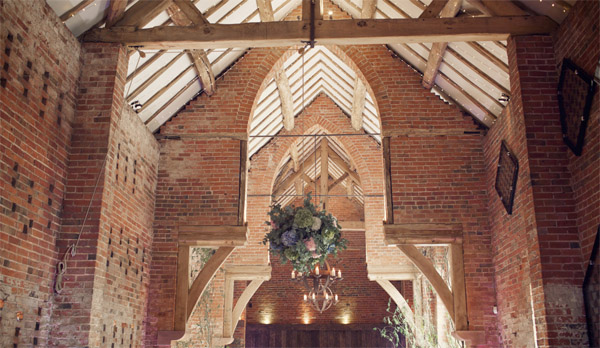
(303,235)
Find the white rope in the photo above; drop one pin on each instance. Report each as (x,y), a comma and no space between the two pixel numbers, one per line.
(62,265)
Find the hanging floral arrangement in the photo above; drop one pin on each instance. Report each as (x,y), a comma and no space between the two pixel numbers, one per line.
(303,235)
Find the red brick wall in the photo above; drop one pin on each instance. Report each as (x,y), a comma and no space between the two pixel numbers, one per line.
(38,81)
(105,287)
(538,249)
(279,301)
(577,40)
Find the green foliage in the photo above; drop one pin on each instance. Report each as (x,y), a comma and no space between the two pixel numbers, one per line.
(396,327)
(297,222)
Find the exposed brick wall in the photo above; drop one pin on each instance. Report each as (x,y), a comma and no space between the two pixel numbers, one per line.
(279,301)
(577,40)
(537,253)
(38,81)
(104,296)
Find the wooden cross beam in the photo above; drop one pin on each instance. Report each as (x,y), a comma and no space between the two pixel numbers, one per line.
(358,104)
(368,8)
(422,233)
(436,53)
(185,13)
(327,32)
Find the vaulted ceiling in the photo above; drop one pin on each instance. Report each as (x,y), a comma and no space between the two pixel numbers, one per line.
(472,74)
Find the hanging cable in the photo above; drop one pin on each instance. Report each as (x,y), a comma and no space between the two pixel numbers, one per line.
(62,265)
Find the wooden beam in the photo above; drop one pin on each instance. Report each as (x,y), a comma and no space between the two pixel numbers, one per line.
(426,267)
(352,225)
(265,10)
(182,287)
(242,181)
(191,11)
(436,53)
(415,132)
(295,156)
(248,272)
(337,181)
(205,276)
(221,235)
(342,164)
(489,55)
(204,70)
(242,302)
(458,287)
(346,32)
(422,233)
(285,96)
(434,9)
(387,173)
(392,272)
(481,7)
(116,10)
(399,300)
(358,104)
(324,171)
(185,13)
(368,9)
(298,186)
(142,12)
(306,9)
(309,161)
(76,9)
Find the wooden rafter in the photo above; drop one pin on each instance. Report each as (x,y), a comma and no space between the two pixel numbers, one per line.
(358,104)
(142,12)
(152,78)
(447,80)
(343,165)
(185,13)
(215,236)
(503,8)
(204,70)
(337,181)
(348,32)
(489,55)
(434,9)
(191,11)
(166,88)
(368,8)
(308,162)
(265,9)
(285,96)
(481,7)
(438,48)
(76,9)
(116,9)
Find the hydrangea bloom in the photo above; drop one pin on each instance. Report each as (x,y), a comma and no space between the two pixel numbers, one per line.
(303,218)
(289,238)
(316,224)
(310,244)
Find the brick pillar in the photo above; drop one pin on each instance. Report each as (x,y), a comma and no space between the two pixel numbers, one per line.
(557,297)
(99,103)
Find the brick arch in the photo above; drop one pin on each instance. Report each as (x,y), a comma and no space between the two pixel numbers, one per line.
(365,153)
(370,77)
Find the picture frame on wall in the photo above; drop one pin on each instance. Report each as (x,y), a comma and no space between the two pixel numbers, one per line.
(575,93)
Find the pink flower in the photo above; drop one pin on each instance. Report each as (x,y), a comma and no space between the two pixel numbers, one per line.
(315,255)
(310,244)
(273,225)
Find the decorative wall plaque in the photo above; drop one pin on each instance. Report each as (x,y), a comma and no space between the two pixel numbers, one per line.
(575,94)
(506,176)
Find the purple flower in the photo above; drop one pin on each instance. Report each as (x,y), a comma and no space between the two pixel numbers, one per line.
(289,238)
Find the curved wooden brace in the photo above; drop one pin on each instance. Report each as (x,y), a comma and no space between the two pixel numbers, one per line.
(426,267)
(243,301)
(205,276)
(400,301)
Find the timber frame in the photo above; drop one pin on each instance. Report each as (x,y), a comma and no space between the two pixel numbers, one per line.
(407,236)
(225,238)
